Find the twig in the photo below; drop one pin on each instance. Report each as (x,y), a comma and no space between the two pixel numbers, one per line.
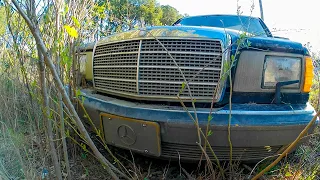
(185,81)
(205,137)
(261,162)
(134,165)
(179,162)
(149,169)
(250,169)
(165,172)
(187,174)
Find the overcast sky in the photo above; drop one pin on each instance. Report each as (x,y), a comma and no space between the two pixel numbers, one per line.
(298,19)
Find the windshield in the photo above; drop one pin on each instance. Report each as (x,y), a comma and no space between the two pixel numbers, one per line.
(239,23)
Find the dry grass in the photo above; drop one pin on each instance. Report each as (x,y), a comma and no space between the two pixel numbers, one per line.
(19,150)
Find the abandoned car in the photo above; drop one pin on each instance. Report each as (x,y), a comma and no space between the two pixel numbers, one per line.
(148,89)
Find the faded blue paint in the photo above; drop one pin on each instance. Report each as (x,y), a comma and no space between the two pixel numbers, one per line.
(277,45)
(263,98)
(242,114)
(170,31)
(262,43)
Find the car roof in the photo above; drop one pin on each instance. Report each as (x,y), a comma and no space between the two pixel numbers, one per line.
(231,15)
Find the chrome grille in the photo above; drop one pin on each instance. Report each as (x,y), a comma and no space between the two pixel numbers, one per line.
(143,68)
(115,67)
(193,152)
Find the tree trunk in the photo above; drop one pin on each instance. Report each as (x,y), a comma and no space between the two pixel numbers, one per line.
(60,102)
(46,113)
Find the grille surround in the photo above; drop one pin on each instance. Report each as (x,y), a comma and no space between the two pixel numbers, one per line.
(147,68)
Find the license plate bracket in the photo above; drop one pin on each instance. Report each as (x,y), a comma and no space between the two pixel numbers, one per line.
(134,134)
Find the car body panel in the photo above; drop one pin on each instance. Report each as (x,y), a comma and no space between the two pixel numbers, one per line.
(242,114)
(257,131)
(259,128)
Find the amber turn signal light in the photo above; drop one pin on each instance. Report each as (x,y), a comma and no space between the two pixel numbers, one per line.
(308,74)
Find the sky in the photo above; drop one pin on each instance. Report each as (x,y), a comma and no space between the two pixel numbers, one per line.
(297,20)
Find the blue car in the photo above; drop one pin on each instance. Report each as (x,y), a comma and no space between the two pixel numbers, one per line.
(206,81)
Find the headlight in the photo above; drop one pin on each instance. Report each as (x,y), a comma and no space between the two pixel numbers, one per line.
(279,69)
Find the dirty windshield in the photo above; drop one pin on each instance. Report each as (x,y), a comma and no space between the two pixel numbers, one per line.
(239,23)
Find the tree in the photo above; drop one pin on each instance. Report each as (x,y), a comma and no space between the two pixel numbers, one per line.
(170,15)
(53,45)
(150,13)
(122,15)
(2,21)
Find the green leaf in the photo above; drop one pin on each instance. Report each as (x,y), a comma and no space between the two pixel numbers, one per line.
(243,35)
(288,174)
(66,9)
(248,43)
(67,133)
(55,99)
(51,115)
(210,117)
(78,93)
(34,84)
(76,22)
(232,57)
(183,85)
(83,155)
(83,146)
(268,148)
(65,58)
(71,31)
(209,133)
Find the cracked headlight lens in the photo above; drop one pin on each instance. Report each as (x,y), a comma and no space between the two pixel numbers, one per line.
(279,69)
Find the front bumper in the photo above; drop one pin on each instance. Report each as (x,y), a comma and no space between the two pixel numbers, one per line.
(257,131)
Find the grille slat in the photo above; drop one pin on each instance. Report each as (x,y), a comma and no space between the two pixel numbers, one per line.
(193,60)
(182,45)
(117,64)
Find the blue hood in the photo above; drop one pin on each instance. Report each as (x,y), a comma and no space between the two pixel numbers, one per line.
(257,43)
(278,45)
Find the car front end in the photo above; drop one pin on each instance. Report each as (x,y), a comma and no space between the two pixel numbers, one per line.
(149,89)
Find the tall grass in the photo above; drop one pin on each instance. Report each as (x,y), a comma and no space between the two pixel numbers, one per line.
(20,153)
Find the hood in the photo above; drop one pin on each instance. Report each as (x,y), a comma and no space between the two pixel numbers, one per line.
(257,43)
(277,45)
(169,31)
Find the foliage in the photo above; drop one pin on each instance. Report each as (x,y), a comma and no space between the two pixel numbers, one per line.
(170,15)
(2,21)
(121,15)
(315,93)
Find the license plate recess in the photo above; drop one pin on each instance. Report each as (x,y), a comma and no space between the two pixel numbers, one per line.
(134,134)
